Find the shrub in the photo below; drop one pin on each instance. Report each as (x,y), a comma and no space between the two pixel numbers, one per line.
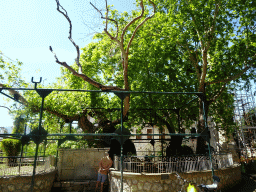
(11,147)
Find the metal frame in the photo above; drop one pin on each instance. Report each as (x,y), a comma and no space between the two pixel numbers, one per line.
(40,134)
(244,102)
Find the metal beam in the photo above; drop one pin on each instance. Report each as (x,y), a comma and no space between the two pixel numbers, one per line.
(118,92)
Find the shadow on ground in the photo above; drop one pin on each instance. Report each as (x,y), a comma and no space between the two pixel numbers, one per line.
(80,188)
(247,184)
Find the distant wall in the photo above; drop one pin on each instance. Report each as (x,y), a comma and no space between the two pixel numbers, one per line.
(43,183)
(79,164)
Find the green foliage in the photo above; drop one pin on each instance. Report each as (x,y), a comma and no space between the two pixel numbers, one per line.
(10,72)
(11,147)
(169,53)
(19,125)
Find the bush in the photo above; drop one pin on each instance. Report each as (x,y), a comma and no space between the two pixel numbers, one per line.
(11,147)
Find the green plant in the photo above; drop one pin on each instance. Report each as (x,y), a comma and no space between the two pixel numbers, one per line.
(11,148)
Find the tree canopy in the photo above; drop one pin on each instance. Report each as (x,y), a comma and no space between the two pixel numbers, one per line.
(170,46)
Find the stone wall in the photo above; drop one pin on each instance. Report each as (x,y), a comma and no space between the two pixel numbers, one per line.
(79,164)
(137,182)
(43,183)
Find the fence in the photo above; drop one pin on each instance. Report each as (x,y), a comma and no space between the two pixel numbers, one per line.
(137,164)
(24,166)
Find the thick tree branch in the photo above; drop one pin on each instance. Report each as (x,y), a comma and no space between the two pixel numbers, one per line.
(64,64)
(194,60)
(70,34)
(212,28)
(204,70)
(132,21)
(125,62)
(121,45)
(84,77)
(197,31)
(231,78)
(216,95)
(66,118)
(13,92)
(106,29)
(136,29)
(5,107)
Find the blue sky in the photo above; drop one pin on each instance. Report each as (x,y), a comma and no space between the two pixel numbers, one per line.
(29,27)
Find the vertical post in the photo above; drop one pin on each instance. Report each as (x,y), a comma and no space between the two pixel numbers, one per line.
(45,143)
(57,155)
(37,144)
(20,157)
(162,148)
(122,101)
(122,96)
(43,93)
(21,154)
(153,140)
(206,126)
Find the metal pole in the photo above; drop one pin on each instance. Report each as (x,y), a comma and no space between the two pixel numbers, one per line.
(206,126)
(34,169)
(122,100)
(45,143)
(21,154)
(57,149)
(153,142)
(20,157)
(37,144)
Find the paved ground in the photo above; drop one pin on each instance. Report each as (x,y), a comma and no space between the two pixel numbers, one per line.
(248,184)
(80,188)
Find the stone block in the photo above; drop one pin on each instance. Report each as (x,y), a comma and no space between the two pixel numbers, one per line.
(129,182)
(5,189)
(140,186)
(126,188)
(26,188)
(147,186)
(38,182)
(166,187)
(134,188)
(167,181)
(157,187)
(11,187)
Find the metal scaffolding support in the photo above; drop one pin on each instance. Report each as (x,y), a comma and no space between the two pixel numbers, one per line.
(244,117)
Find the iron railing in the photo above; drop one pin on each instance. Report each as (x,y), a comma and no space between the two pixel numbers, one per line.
(138,164)
(24,166)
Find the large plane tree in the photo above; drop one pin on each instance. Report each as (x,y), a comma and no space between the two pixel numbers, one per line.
(172,46)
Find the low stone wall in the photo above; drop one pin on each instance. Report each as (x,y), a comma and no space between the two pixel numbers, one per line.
(43,183)
(137,182)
